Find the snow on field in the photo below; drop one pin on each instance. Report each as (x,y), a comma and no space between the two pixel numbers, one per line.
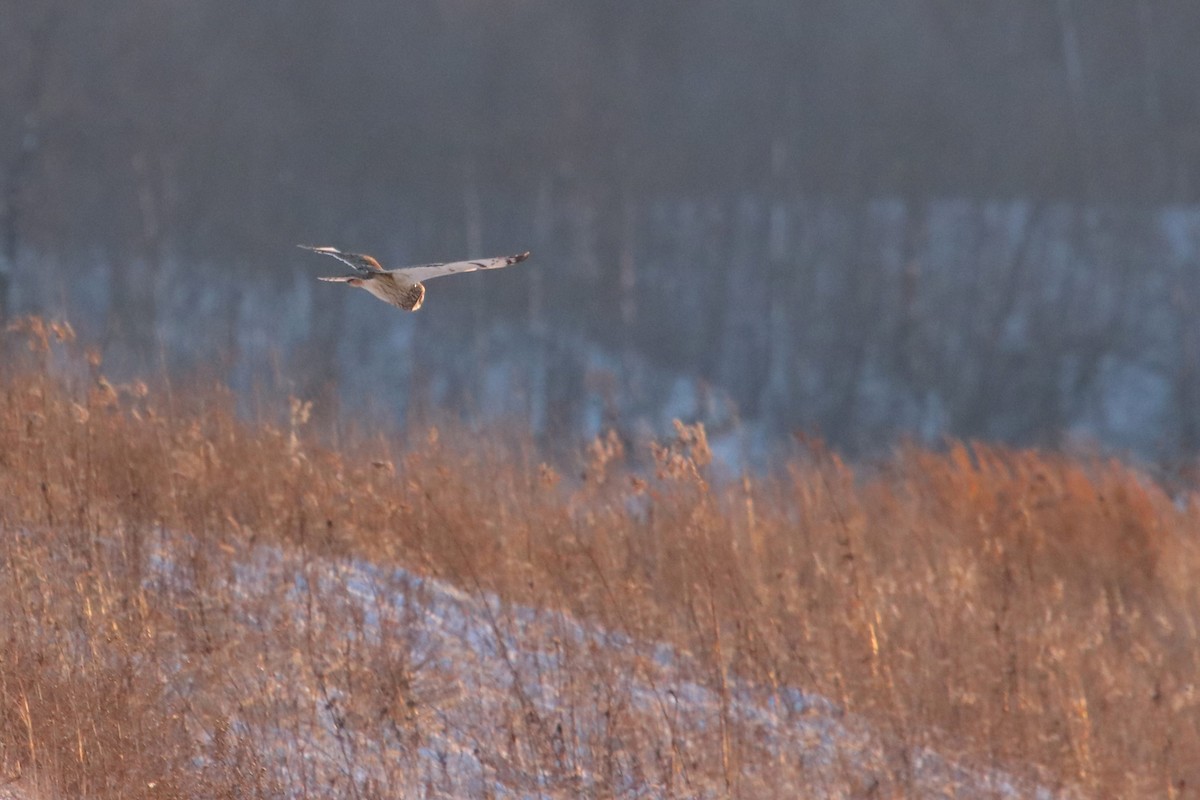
(486,699)
(342,678)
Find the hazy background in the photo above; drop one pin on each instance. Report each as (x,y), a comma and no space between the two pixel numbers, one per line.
(918,218)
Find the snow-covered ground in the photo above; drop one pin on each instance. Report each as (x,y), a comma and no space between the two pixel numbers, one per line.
(352,680)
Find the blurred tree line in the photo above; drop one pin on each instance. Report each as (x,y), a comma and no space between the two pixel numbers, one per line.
(182,142)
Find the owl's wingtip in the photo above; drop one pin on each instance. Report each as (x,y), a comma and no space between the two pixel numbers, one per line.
(517,259)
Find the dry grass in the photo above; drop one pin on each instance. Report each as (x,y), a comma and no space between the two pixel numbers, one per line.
(1032,611)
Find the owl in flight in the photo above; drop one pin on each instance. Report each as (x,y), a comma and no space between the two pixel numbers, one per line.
(402,287)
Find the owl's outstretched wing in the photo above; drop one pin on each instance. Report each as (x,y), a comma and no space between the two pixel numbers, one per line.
(358,261)
(424,272)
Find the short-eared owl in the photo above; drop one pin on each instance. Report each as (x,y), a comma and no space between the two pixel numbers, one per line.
(402,287)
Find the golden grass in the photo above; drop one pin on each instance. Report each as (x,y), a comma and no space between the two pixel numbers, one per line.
(1029,610)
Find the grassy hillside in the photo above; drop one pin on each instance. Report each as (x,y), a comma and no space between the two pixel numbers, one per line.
(1027,610)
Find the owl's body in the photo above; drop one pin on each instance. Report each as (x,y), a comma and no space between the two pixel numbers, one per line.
(388,288)
(403,288)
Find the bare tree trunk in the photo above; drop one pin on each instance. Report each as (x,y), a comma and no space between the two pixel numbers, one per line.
(995,372)
(23,159)
(627,265)
(1186,387)
(543,231)
(1152,97)
(8,255)
(133,318)
(10,228)
(777,390)
(473,229)
(537,389)
(1073,65)
(911,353)
(11,203)
(860,302)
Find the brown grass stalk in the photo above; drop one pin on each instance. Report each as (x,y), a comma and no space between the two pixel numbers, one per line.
(1024,610)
